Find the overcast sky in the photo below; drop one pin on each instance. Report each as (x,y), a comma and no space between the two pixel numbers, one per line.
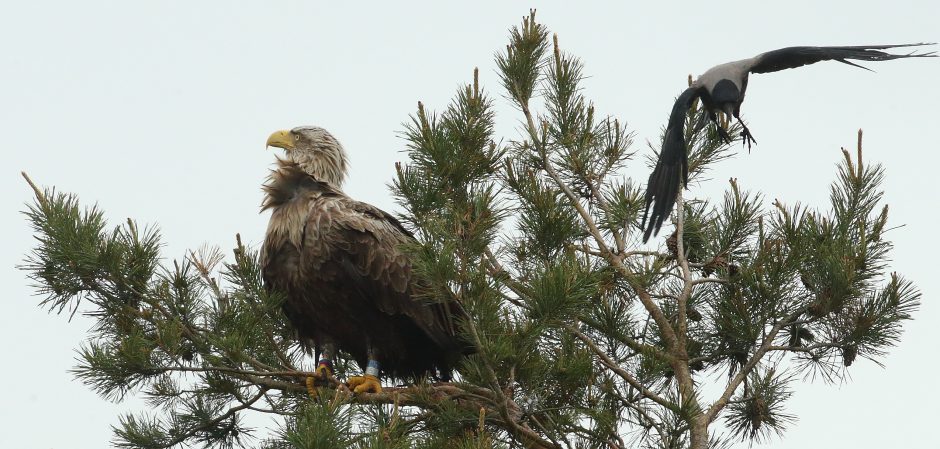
(159,112)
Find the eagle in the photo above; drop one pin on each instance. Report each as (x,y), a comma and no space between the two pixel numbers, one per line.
(721,89)
(348,281)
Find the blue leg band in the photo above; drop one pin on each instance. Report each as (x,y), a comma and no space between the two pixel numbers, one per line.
(373,368)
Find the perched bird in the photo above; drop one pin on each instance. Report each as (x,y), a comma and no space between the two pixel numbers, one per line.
(721,89)
(340,262)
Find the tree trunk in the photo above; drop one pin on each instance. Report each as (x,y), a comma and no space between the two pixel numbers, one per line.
(699,433)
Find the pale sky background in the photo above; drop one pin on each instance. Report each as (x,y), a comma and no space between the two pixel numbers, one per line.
(159,112)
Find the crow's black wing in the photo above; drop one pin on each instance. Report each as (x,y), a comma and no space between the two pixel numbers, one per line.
(793,57)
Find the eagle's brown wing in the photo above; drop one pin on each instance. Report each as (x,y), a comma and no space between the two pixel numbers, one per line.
(367,243)
(347,278)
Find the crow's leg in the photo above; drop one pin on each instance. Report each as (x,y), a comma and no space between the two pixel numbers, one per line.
(746,137)
(722,134)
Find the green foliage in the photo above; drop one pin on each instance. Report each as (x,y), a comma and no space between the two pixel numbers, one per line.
(546,222)
(581,337)
(317,426)
(520,66)
(758,409)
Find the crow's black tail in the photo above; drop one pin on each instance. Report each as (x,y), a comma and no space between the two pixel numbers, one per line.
(672,168)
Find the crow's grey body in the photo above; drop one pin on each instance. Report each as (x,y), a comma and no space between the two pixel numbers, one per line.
(722,88)
(736,72)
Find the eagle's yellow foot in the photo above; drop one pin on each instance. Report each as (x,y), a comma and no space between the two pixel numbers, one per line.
(311,386)
(324,371)
(323,376)
(365,384)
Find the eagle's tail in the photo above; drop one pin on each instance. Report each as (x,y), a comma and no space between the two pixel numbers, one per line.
(672,168)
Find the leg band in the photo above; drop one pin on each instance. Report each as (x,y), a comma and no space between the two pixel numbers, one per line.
(373,368)
(327,363)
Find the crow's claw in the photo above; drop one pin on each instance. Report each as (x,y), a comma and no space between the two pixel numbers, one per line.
(723,134)
(747,139)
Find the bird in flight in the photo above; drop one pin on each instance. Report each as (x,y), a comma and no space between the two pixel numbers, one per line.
(721,89)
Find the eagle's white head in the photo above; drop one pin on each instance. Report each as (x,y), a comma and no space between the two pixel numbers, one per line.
(315,150)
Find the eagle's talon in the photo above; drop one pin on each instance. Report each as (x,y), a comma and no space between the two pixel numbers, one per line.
(322,377)
(365,384)
(311,383)
(324,371)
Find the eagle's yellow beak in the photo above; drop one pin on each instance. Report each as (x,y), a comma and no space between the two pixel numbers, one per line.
(281,139)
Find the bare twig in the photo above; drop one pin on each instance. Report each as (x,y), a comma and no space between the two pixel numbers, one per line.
(624,374)
(701,281)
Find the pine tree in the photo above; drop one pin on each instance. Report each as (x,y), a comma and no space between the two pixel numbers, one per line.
(583,338)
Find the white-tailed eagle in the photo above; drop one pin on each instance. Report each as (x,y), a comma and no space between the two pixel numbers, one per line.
(340,262)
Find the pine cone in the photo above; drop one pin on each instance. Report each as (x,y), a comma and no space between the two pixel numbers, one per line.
(849,353)
(716,263)
(672,244)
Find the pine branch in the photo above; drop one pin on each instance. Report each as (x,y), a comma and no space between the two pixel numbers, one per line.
(756,358)
(654,310)
(190,433)
(626,376)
